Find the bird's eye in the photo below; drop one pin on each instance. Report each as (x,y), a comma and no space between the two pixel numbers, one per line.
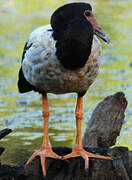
(87,13)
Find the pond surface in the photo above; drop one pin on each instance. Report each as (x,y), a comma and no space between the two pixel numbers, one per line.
(22,112)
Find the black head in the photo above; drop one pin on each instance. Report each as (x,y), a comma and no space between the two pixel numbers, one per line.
(73,27)
(62,15)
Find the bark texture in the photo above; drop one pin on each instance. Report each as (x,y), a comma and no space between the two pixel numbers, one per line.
(73,169)
(106,122)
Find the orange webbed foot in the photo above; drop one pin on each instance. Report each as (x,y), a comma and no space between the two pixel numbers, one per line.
(85,155)
(44,152)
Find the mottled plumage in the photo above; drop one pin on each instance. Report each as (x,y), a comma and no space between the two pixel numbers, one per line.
(43,70)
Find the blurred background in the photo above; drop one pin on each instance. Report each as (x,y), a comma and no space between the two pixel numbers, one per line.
(22,112)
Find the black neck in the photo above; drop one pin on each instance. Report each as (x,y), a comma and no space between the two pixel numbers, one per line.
(74,43)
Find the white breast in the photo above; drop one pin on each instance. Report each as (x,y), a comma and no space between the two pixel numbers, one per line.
(42,69)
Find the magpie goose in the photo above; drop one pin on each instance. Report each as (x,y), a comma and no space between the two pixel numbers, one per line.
(63,57)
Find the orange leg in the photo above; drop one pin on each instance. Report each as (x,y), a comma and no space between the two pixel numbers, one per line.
(78,148)
(46,149)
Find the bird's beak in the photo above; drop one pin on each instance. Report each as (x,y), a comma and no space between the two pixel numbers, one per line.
(97,28)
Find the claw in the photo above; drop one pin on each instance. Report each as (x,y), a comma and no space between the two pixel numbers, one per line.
(42,157)
(43,153)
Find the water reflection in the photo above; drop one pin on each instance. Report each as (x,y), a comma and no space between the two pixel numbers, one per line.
(22,112)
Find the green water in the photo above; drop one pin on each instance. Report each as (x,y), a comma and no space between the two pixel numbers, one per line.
(22,112)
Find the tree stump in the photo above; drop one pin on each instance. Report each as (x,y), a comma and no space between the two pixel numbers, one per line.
(106,122)
(102,130)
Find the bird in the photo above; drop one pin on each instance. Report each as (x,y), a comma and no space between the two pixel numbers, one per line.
(63,57)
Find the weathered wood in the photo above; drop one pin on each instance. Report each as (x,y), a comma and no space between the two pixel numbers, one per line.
(4,132)
(106,122)
(102,130)
(73,169)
